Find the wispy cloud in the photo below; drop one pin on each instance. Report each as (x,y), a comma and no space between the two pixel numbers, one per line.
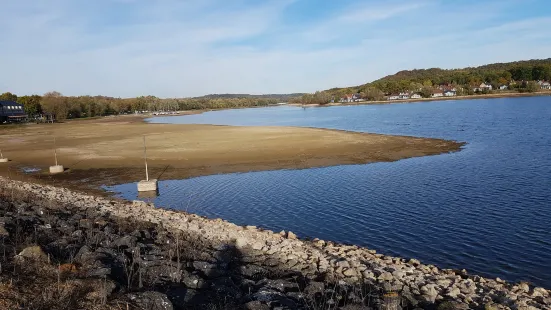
(370,12)
(177,48)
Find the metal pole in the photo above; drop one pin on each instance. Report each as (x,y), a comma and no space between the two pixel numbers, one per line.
(55,152)
(145,157)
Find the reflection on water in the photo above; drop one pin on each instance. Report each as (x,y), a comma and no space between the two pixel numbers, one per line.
(148,195)
(486,208)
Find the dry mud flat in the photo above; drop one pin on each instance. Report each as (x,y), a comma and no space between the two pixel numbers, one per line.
(175,260)
(109,151)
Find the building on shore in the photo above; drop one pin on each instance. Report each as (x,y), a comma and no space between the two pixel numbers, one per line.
(449,93)
(483,87)
(11,111)
(544,85)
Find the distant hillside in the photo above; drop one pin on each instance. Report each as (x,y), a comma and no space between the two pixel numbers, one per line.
(281,97)
(520,70)
(518,76)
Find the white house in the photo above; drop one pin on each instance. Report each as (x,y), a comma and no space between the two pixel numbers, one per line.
(404,96)
(437,94)
(483,87)
(544,85)
(393,97)
(415,96)
(503,87)
(449,93)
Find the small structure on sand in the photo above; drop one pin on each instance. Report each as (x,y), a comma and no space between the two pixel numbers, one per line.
(147,185)
(2,159)
(57,168)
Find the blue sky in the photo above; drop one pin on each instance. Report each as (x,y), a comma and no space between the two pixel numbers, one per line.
(181,48)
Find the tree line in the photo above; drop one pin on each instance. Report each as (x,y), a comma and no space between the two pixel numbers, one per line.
(64,107)
(519,76)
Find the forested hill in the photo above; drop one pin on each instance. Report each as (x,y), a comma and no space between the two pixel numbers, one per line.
(527,70)
(518,76)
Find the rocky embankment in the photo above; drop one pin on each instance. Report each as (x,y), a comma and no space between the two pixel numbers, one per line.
(95,253)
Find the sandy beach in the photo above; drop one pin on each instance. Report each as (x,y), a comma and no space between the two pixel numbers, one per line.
(109,150)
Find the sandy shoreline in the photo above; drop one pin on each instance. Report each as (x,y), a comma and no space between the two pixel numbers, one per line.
(109,151)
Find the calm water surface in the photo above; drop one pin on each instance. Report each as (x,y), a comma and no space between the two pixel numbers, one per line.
(486,208)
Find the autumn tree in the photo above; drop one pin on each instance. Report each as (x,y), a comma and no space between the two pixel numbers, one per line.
(54,103)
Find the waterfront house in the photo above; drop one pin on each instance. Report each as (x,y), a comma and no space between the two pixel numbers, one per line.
(11,111)
(393,97)
(403,96)
(356,98)
(437,93)
(415,96)
(503,87)
(449,93)
(347,98)
(544,85)
(447,87)
(483,87)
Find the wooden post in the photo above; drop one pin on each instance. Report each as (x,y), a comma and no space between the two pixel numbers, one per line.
(55,153)
(145,158)
(57,168)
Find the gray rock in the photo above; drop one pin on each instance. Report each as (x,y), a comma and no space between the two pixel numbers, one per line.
(343,264)
(314,288)
(398,274)
(257,246)
(414,262)
(408,296)
(209,270)
(86,224)
(252,271)
(452,305)
(267,296)
(151,301)
(453,292)
(385,276)
(3,231)
(540,292)
(256,305)
(33,253)
(291,235)
(429,293)
(98,272)
(125,241)
(524,287)
(279,285)
(193,281)
(350,272)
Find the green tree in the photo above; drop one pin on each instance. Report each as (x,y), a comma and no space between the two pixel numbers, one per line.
(426,92)
(31,104)
(532,87)
(8,97)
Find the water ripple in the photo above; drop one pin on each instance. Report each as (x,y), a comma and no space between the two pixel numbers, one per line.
(485,208)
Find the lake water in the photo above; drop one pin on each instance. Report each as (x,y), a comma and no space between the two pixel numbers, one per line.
(486,208)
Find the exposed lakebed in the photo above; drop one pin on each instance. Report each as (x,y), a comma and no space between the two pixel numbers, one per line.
(485,208)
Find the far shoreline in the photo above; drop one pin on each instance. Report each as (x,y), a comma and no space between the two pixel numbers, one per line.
(459,98)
